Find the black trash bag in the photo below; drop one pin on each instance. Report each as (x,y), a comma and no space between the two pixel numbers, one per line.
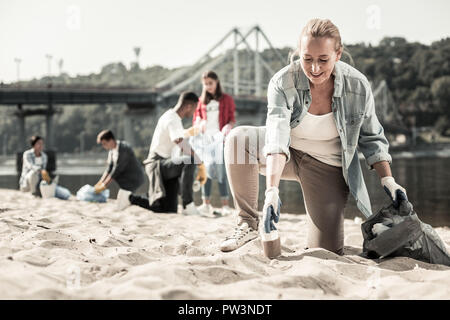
(398,232)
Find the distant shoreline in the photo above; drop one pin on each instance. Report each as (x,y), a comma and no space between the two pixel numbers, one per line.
(94,164)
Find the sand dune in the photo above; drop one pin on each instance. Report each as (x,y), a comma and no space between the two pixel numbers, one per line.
(57,249)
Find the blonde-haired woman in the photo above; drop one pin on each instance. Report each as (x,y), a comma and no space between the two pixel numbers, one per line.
(320,110)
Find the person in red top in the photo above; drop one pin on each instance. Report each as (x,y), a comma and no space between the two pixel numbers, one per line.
(214,115)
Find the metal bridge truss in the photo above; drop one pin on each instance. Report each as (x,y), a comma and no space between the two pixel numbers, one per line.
(189,77)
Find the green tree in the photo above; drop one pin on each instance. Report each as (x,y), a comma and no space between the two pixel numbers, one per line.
(440,90)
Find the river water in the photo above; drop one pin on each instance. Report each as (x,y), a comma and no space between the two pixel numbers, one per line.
(426,181)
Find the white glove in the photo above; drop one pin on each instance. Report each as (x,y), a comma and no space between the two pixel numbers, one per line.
(394,190)
(271,209)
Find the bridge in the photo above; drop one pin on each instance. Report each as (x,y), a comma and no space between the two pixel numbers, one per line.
(248,84)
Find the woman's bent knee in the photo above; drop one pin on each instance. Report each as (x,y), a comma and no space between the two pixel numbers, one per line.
(243,145)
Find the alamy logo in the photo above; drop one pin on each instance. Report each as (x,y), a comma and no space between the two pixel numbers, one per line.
(73,21)
(73,277)
(374,17)
(373,282)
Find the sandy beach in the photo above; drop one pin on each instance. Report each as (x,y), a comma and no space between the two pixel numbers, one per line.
(54,249)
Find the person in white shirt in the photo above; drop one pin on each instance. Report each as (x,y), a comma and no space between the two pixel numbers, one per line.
(164,169)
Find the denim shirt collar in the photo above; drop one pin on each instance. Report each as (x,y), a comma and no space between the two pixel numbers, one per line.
(302,82)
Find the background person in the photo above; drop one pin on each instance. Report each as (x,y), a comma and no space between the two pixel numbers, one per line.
(214,113)
(122,164)
(320,110)
(34,164)
(166,171)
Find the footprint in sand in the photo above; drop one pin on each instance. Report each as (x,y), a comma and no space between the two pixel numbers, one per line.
(178,294)
(61,244)
(134,258)
(174,250)
(327,286)
(113,242)
(36,257)
(45,220)
(195,252)
(52,235)
(46,294)
(213,275)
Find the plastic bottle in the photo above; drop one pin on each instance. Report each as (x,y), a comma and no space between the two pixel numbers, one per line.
(196,186)
(271,243)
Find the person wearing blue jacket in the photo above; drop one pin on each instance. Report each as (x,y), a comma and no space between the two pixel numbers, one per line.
(320,112)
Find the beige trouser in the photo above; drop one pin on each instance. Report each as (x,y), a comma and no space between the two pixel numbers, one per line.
(30,182)
(324,189)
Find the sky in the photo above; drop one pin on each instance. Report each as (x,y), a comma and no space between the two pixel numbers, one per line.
(88,34)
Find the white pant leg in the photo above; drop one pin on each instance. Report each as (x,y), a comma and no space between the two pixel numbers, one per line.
(30,182)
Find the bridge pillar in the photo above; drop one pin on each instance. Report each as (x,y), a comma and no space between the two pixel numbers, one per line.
(128,128)
(22,137)
(49,127)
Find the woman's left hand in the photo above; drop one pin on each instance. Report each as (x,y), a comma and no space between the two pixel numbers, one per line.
(271,209)
(395,191)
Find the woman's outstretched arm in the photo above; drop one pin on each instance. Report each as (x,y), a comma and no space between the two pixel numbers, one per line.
(274,167)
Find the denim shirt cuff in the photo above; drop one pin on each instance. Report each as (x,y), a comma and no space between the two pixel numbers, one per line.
(273,149)
(382,156)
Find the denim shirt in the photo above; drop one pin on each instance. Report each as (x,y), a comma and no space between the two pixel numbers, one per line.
(29,163)
(353,107)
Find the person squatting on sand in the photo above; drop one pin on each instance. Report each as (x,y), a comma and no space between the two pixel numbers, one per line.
(34,166)
(122,165)
(215,116)
(164,169)
(320,110)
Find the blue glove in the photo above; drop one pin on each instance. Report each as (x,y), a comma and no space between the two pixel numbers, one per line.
(396,192)
(271,209)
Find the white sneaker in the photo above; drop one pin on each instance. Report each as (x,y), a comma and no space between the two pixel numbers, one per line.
(226,210)
(190,210)
(123,200)
(242,235)
(206,209)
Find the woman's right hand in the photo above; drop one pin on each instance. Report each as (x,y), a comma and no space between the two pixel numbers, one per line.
(99,188)
(201,175)
(45,176)
(271,209)
(191,132)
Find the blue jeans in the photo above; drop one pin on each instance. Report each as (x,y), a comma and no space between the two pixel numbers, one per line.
(62,193)
(223,189)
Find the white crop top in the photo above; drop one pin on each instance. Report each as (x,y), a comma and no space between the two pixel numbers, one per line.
(318,137)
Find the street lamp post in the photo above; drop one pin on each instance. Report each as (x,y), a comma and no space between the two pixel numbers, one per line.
(60,65)
(49,115)
(137,52)
(49,65)
(18,61)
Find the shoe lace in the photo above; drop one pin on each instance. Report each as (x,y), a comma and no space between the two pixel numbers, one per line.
(239,233)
